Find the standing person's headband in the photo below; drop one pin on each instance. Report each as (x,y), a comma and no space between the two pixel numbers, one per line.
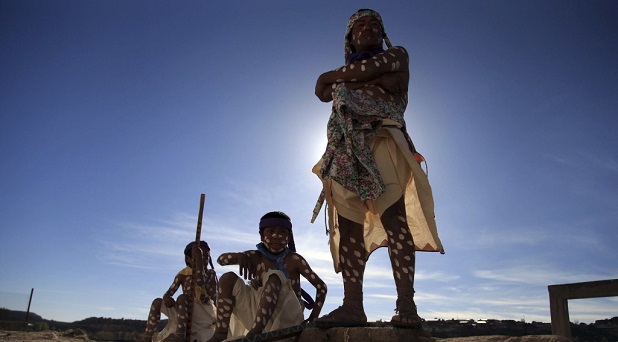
(359,14)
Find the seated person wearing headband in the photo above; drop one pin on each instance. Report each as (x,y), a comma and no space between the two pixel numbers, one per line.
(203,318)
(272,298)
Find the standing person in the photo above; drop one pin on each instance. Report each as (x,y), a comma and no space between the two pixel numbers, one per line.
(203,319)
(272,299)
(377,193)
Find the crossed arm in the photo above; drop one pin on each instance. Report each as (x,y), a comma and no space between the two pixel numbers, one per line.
(387,70)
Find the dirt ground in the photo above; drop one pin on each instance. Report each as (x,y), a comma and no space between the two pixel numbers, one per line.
(43,336)
(531,338)
(390,334)
(80,336)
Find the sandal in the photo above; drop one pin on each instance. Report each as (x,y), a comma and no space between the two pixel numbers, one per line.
(406,315)
(343,316)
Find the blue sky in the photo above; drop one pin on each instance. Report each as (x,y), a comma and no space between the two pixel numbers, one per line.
(116,115)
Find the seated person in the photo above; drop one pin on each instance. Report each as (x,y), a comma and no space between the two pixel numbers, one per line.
(272,298)
(203,319)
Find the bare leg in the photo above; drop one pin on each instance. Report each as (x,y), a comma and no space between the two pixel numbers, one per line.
(225,306)
(352,258)
(401,252)
(154,316)
(182,313)
(267,305)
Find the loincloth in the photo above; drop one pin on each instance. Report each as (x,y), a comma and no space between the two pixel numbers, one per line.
(402,176)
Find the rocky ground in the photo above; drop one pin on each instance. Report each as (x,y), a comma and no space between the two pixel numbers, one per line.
(390,334)
(530,338)
(80,336)
(43,336)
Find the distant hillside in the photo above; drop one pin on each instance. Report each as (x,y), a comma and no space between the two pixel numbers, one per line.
(110,329)
(18,316)
(100,328)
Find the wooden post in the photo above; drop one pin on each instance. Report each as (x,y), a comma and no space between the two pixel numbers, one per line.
(29,302)
(198,233)
(559,311)
(560,294)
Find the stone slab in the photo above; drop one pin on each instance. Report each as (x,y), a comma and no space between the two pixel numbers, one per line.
(365,334)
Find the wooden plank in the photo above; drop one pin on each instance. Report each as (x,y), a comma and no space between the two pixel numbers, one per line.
(560,294)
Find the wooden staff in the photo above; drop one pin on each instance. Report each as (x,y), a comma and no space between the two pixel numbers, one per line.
(198,232)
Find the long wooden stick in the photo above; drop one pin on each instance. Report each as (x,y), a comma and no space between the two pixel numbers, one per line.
(29,302)
(198,233)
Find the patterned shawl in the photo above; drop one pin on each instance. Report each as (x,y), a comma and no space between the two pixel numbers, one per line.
(347,160)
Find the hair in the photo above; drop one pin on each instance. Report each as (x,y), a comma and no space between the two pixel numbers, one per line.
(189,248)
(203,244)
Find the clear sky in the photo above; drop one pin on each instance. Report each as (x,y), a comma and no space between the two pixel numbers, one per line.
(116,115)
